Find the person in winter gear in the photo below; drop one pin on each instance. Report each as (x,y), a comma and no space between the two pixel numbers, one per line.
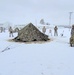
(44,29)
(72,36)
(55,31)
(10,31)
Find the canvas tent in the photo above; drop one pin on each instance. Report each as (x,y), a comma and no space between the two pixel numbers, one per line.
(30,33)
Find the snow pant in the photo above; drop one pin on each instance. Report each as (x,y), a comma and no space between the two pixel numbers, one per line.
(11,34)
(55,33)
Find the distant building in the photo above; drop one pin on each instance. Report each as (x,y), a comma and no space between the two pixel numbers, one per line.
(5,25)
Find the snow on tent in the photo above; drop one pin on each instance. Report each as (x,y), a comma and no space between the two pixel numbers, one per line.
(30,33)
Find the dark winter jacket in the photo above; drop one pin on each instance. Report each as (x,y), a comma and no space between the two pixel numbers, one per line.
(55,28)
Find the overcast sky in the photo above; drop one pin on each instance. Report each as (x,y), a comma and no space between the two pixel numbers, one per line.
(25,11)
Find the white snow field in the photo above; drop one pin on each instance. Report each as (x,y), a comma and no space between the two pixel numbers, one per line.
(51,58)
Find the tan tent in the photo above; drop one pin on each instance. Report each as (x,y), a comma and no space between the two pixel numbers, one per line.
(30,33)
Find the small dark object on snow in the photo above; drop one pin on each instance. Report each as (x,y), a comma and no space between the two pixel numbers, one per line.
(30,33)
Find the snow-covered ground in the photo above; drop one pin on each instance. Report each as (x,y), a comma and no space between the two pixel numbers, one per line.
(50,58)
